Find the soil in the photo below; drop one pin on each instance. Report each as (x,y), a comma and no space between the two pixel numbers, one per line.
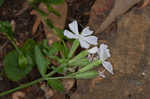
(128,38)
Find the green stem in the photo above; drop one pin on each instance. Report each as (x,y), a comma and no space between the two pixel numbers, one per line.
(22,86)
(60,77)
(31,83)
(35,81)
(14,44)
(53,72)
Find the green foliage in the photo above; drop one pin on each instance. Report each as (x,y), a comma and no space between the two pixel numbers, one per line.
(74,47)
(5,27)
(11,67)
(1,2)
(52,10)
(54,49)
(80,63)
(90,66)
(29,46)
(59,32)
(49,23)
(41,61)
(22,61)
(27,51)
(56,84)
(18,63)
(86,75)
(79,56)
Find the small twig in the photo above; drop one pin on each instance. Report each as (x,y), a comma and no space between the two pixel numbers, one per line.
(1,48)
(25,7)
(146,2)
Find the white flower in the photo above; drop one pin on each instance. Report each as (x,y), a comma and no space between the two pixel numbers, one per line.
(101,74)
(103,53)
(85,37)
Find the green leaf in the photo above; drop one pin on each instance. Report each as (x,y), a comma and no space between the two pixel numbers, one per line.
(59,32)
(11,68)
(1,2)
(74,47)
(28,50)
(55,48)
(14,60)
(86,75)
(52,10)
(49,23)
(56,1)
(61,69)
(90,66)
(41,61)
(42,13)
(22,60)
(56,84)
(65,50)
(28,46)
(5,27)
(44,44)
(79,56)
(80,62)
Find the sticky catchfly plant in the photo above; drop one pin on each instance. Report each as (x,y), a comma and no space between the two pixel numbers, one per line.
(103,54)
(84,38)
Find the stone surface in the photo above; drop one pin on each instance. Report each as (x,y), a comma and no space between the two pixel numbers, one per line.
(131,60)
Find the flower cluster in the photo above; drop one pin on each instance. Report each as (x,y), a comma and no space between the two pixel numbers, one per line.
(86,39)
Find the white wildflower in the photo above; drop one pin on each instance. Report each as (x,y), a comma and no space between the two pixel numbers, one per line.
(101,74)
(85,37)
(103,53)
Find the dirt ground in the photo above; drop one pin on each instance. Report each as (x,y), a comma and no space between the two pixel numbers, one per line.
(128,38)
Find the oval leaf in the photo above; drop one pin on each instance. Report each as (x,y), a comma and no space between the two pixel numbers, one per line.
(41,61)
(11,68)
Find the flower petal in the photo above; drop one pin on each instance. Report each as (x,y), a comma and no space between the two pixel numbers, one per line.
(84,44)
(74,27)
(101,74)
(108,66)
(103,52)
(93,50)
(69,34)
(86,31)
(91,40)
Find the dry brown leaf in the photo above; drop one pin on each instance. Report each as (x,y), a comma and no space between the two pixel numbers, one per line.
(58,21)
(120,7)
(58,95)
(18,95)
(68,84)
(146,2)
(98,12)
(48,91)
(37,21)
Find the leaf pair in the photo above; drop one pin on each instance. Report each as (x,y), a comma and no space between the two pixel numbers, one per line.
(11,64)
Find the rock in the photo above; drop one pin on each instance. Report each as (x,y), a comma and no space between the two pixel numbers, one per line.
(131,60)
